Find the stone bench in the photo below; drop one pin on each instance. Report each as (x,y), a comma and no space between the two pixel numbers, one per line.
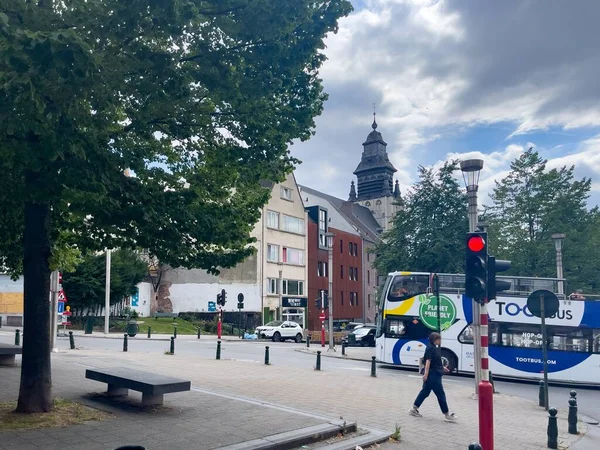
(152,386)
(7,354)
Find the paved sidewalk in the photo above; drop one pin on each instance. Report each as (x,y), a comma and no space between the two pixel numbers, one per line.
(307,395)
(352,353)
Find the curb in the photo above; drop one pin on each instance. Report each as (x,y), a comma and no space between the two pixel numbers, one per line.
(292,439)
(346,358)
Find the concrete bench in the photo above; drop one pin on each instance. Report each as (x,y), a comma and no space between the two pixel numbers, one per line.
(7,354)
(157,315)
(152,386)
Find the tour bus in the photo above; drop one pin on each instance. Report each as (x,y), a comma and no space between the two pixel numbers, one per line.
(408,313)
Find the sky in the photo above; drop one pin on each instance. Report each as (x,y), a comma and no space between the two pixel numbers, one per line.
(459,79)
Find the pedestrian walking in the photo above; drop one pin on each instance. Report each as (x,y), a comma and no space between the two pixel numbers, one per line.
(433,372)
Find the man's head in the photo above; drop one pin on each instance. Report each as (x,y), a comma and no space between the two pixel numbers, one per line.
(435,339)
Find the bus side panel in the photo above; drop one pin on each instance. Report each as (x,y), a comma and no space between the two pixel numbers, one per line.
(467,358)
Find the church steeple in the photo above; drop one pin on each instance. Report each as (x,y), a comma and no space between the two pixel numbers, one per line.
(397,189)
(375,169)
(352,197)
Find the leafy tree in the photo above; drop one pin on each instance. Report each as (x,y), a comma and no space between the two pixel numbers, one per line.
(198,98)
(529,205)
(86,287)
(430,226)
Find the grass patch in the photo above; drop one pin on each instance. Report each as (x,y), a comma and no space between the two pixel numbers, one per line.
(64,414)
(164,325)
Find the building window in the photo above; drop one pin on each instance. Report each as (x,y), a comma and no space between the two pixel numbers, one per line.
(350,248)
(273,219)
(369,301)
(355,249)
(354,298)
(342,272)
(293,256)
(286,193)
(322,269)
(293,224)
(356,274)
(273,285)
(368,257)
(342,298)
(322,240)
(322,220)
(272,253)
(293,287)
(341,246)
(368,277)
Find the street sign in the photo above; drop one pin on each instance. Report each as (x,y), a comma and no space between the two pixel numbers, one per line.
(534,303)
(61,296)
(212,307)
(241,297)
(295,302)
(322,316)
(61,307)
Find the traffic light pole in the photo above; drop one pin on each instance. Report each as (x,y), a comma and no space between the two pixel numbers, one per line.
(330,296)
(323,319)
(220,323)
(486,390)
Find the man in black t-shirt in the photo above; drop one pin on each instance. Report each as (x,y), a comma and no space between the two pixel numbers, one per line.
(432,379)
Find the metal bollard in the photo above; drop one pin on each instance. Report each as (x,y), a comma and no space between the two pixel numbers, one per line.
(174,331)
(172,349)
(343,348)
(552,428)
(318,366)
(267,355)
(149,332)
(542,395)
(125,342)
(572,418)
(373,367)
(198,332)
(474,446)
(17,337)
(71,340)
(218,349)
(308,341)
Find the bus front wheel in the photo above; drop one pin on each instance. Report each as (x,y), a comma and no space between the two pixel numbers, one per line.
(449,360)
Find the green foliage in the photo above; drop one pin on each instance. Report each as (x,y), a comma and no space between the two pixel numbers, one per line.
(528,206)
(430,226)
(200,99)
(86,286)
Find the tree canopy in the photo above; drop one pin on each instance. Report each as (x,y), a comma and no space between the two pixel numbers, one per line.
(197,99)
(86,287)
(530,204)
(430,226)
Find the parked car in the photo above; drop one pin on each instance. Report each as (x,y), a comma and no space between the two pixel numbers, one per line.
(280,331)
(363,336)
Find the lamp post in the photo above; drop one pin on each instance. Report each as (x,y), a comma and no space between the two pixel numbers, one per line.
(471,169)
(329,237)
(280,290)
(107,294)
(559,239)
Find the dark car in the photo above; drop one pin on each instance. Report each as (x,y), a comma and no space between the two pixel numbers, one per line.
(361,337)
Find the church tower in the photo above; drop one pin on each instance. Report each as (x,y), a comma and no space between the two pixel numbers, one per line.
(375,180)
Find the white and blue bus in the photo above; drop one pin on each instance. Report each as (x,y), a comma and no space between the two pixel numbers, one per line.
(408,313)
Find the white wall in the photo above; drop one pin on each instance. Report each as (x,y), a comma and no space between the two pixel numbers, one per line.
(194,297)
(145,297)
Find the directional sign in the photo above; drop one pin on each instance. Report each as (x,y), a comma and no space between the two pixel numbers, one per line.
(61,307)
(212,306)
(534,303)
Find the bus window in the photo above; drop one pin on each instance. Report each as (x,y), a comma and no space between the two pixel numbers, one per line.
(407,286)
(407,328)
(466,336)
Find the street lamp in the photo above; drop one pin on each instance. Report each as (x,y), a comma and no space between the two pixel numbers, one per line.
(559,239)
(280,290)
(471,169)
(329,237)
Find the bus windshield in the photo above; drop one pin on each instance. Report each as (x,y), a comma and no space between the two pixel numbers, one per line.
(407,286)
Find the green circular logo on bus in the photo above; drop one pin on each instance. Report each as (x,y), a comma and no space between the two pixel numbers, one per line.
(428,311)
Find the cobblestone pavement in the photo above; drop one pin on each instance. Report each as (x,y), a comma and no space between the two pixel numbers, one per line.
(372,402)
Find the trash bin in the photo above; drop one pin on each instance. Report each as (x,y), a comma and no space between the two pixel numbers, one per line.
(351,339)
(132,328)
(89,325)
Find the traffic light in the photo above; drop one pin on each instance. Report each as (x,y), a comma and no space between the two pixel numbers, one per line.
(323,301)
(60,281)
(240,304)
(476,266)
(219,299)
(223,297)
(493,285)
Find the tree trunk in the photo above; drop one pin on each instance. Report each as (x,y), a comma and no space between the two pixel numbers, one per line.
(35,393)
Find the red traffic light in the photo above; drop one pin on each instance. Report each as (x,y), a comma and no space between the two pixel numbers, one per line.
(476,243)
